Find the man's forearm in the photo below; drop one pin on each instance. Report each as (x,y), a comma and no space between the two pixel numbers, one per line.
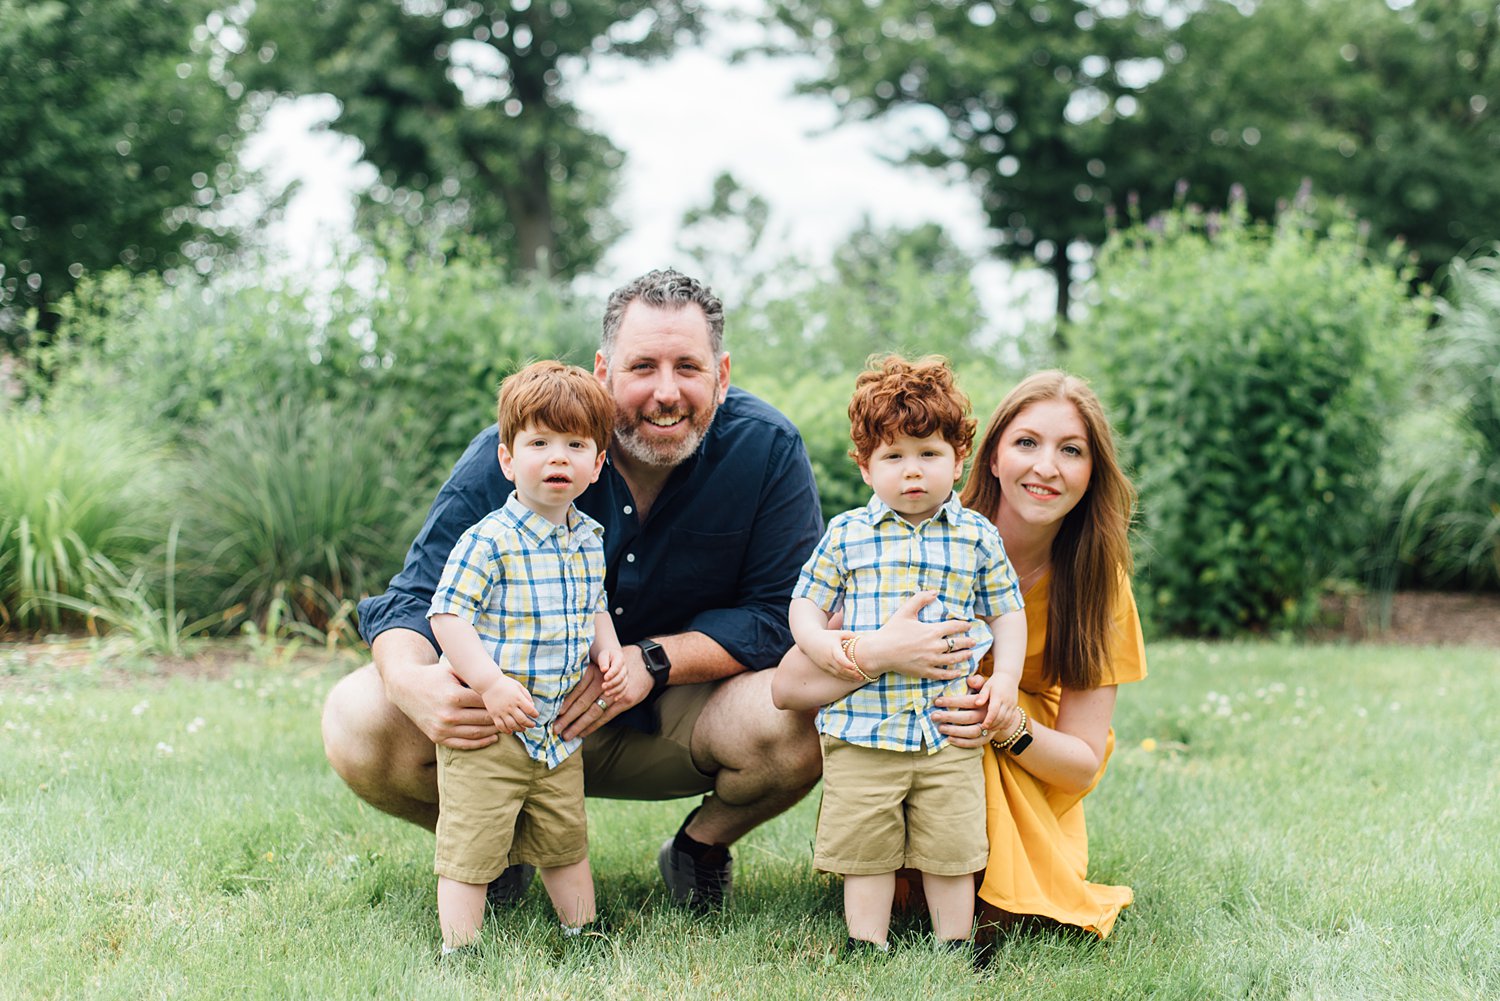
(396,648)
(697,658)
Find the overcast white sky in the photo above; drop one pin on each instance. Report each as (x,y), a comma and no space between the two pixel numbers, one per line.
(680,122)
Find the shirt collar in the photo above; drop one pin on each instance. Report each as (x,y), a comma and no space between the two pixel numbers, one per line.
(538,528)
(878,510)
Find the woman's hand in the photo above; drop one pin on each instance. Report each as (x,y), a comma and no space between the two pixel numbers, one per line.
(960,718)
(906,645)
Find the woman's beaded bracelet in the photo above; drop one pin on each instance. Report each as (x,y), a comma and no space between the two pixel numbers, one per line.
(1015,735)
(848,645)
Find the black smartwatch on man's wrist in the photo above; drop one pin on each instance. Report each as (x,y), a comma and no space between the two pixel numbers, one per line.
(658,664)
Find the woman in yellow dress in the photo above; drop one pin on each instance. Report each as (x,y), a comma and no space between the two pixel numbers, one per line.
(1046,474)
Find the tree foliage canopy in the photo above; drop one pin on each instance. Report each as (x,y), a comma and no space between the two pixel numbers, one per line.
(1394,110)
(1061,112)
(463,108)
(1026,94)
(118,133)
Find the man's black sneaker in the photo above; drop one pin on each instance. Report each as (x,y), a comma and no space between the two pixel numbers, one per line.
(509,888)
(702,884)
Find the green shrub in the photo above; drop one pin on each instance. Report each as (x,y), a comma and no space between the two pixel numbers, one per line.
(293,510)
(429,340)
(819,406)
(1251,370)
(899,290)
(906,291)
(75,487)
(1441,482)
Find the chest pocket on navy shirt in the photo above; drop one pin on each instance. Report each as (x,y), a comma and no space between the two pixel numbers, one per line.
(702,569)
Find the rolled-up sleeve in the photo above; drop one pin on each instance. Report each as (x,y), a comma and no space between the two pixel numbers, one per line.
(786,526)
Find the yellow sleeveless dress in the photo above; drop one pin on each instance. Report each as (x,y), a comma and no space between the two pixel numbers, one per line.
(1039,845)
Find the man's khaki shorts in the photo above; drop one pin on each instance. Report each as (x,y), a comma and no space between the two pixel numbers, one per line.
(498,806)
(620,762)
(887,810)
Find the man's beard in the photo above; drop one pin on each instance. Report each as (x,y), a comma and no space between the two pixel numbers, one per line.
(656,452)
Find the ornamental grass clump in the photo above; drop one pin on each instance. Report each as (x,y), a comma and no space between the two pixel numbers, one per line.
(75,489)
(293,511)
(1441,483)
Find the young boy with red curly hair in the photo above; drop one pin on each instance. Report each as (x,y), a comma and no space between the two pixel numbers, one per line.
(896,793)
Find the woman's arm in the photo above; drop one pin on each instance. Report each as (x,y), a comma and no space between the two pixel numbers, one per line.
(798,683)
(903,644)
(1066,756)
(1069,755)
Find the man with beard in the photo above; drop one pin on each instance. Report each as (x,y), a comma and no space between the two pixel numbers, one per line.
(709,508)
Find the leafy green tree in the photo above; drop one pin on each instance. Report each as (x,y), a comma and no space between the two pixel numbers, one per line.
(1026,93)
(1061,112)
(118,132)
(463,107)
(722,237)
(1391,107)
(810,330)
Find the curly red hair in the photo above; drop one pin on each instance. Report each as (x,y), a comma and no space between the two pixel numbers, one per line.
(896,398)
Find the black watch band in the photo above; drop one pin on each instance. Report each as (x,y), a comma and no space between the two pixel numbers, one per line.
(658,664)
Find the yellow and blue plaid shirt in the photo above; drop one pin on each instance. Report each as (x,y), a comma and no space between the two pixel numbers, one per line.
(531,589)
(870,561)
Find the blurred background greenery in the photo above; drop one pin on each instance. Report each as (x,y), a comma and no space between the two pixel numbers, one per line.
(1273,231)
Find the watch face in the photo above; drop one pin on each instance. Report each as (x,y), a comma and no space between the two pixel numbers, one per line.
(655,657)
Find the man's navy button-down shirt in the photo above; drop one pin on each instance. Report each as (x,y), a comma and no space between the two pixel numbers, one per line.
(718,553)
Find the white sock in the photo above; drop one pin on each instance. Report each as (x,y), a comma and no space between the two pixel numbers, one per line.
(572,931)
(449,950)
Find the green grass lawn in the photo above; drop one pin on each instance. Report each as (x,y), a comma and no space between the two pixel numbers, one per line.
(1297,822)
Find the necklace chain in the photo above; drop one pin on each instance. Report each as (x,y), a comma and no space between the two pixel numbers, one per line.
(1025,578)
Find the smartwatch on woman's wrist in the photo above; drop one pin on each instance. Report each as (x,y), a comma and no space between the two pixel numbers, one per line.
(1020,743)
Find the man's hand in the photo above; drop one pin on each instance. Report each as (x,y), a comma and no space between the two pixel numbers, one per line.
(581,714)
(429,694)
(510,705)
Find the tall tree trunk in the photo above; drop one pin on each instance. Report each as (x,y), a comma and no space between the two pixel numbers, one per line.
(536,241)
(1062,272)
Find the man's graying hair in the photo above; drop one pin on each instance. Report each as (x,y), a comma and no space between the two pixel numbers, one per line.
(665,288)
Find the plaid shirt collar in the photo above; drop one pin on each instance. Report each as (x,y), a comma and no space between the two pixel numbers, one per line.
(878,510)
(537,529)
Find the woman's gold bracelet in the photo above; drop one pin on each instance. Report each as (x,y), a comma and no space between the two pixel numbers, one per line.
(848,645)
(1015,735)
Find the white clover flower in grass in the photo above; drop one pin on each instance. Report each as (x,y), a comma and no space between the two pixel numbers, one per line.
(140,708)
(197,724)
(163,749)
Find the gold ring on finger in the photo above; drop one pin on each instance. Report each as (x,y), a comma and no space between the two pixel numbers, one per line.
(602,703)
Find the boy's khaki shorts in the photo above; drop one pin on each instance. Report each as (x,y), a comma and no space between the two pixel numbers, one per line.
(497,806)
(888,810)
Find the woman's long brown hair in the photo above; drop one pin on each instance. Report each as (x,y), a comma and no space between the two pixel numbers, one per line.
(1091,554)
